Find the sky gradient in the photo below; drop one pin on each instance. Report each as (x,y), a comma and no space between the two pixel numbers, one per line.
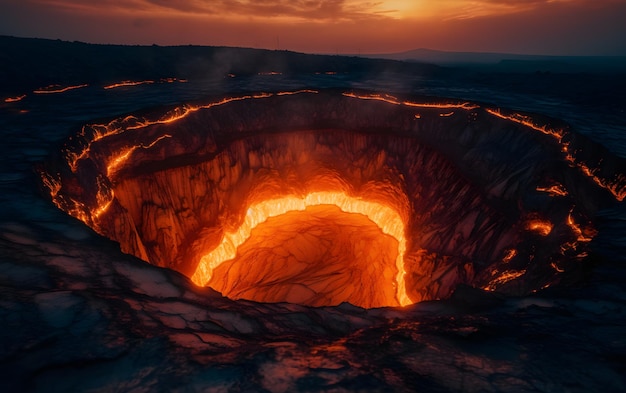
(548,27)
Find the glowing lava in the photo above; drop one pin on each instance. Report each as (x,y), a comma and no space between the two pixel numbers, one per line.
(542,227)
(54,89)
(386,218)
(127,84)
(130,83)
(15,99)
(615,186)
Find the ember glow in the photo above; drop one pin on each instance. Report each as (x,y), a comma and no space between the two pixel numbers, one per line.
(510,254)
(15,99)
(554,190)
(582,235)
(542,227)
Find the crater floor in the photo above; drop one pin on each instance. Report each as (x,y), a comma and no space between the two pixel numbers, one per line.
(321,256)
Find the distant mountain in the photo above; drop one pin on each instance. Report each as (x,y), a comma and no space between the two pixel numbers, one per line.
(508,62)
(29,63)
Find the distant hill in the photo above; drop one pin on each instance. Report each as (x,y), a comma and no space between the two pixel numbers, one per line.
(507,62)
(29,63)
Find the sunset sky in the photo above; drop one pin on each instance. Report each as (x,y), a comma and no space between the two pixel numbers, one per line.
(555,27)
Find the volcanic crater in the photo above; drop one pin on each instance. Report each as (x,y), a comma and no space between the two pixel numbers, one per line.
(319,197)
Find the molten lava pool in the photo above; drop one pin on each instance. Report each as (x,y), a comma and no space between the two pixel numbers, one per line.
(324,197)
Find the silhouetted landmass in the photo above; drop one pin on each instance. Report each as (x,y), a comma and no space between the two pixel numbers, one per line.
(31,63)
(508,62)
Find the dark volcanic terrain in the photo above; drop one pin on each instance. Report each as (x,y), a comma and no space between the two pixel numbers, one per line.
(78,314)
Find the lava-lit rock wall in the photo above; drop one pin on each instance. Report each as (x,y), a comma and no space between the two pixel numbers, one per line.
(489,199)
(183,217)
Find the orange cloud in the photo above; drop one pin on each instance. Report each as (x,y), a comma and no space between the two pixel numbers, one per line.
(317,10)
(331,26)
(312,10)
(469,9)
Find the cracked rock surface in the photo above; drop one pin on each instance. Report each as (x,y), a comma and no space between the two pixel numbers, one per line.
(80,316)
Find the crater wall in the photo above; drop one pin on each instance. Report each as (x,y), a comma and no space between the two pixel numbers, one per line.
(494,199)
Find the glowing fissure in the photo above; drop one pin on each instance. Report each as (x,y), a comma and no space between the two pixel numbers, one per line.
(387,219)
(510,254)
(53,89)
(614,187)
(503,278)
(290,93)
(127,83)
(15,99)
(394,100)
(130,123)
(542,227)
(130,83)
(554,190)
(556,267)
(580,236)
(122,157)
(528,122)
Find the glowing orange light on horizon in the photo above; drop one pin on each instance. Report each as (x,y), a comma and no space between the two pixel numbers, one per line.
(387,219)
